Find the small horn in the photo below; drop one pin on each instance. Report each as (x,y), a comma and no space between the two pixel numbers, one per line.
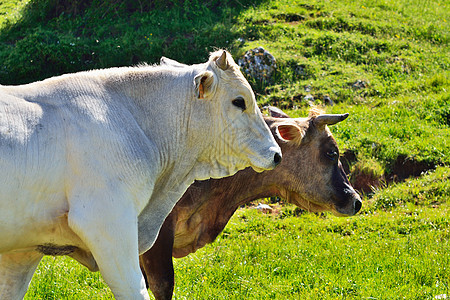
(164,60)
(222,61)
(323,120)
(170,62)
(275,112)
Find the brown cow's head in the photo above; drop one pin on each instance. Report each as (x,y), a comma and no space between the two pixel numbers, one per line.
(311,175)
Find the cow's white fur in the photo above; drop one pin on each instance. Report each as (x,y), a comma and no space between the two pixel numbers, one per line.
(94,161)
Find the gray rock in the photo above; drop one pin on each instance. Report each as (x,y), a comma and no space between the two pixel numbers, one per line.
(310,99)
(360,84)
(327,100)
(259,64)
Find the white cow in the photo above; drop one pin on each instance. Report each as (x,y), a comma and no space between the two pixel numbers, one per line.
(91,163)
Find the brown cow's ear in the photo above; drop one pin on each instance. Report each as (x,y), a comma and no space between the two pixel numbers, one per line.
(290,132)
(204,84)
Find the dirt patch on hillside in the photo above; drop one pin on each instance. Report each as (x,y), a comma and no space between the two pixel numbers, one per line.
(364,180)
(405,167)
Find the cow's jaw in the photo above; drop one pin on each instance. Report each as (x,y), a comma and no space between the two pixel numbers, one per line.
(308,205)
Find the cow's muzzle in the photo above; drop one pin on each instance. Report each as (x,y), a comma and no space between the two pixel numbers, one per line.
(354,205)
(267,161)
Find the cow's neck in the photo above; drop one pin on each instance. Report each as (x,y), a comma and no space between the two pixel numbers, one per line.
(205,209)
(246,187)
(168,100)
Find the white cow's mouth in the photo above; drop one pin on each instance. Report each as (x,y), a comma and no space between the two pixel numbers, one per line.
(258,169)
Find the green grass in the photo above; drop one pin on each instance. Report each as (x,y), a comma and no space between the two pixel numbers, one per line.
(339,42)
(385,62)
(64,278)
(55,37)
(380,255)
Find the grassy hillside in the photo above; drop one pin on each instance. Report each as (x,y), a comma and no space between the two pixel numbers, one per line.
(385,62)
(50,37)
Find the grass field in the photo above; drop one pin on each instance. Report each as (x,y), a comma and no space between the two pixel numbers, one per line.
(395,254)
(385,62)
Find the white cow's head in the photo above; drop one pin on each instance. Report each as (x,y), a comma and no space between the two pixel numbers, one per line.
(239,135)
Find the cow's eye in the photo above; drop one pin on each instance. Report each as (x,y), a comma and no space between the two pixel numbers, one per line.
(239,102)
(332,154)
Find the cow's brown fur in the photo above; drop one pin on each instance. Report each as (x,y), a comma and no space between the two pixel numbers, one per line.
(305,177)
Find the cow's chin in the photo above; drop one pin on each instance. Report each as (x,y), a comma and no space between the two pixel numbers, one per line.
(307,205)
(258,169)
(217,170)
(338,214)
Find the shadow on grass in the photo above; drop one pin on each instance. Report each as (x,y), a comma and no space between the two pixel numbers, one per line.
(54,37)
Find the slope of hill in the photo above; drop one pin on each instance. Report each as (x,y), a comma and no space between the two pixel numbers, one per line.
(386,63)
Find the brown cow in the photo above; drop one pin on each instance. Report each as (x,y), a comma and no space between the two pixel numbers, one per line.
(310,176)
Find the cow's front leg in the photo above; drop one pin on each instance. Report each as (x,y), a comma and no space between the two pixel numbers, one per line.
(16,270)
(157,263)
(107,224)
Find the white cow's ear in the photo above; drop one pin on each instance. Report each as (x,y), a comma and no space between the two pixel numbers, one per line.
(204,84)
(290,132)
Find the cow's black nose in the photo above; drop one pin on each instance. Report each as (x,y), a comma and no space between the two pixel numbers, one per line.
(277,159)
(358,205)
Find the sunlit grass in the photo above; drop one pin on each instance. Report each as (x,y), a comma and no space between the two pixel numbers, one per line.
(395,254)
